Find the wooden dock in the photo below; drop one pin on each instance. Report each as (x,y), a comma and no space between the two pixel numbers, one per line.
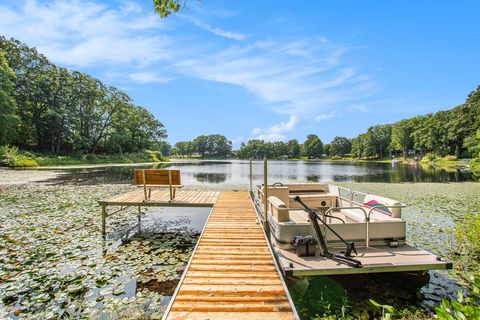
(232,273)
(161,197)
(158,198)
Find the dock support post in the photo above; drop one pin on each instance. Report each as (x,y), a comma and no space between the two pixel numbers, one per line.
(104,218)
(139,219)
(265,198)
(251,177)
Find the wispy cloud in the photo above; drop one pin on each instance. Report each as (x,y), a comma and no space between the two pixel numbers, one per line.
(325,116)
(217,31)
(149,77)
(299,78)
(81,34)
(276,132)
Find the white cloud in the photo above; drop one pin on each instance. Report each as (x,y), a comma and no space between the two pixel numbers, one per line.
(81,34)
(325,116)
(149,77)
(217,31)
(301,77)
(277,131)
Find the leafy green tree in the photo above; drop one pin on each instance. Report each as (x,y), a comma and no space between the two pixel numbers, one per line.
(472,143)
(340,146)
(8,118)
(431,134)
(183,148)
(358,146)
(167,7)
(326,149)
(164,147)
(377,140)
(312,147)
(293,148)
(401,137)
(59,111)
(214,145)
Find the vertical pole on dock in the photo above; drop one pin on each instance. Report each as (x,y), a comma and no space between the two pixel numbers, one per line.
(251,177)
(265,197)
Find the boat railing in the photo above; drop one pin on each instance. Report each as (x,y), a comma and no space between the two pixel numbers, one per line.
(350,196)
(367,216)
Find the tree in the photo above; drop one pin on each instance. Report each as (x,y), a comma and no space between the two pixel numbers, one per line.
(312,147)
(340,146)
(183,148)
(293,148)
(358,146)
(326,149)
(8,118)
(377,140)
(401,137)
(164,147)
(59,111)
(167,7)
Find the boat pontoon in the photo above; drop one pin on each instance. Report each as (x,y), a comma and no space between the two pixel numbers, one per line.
(323,229)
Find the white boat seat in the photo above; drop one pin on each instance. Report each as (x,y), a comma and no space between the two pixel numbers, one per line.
(358,216)
(279,209)
(372,201)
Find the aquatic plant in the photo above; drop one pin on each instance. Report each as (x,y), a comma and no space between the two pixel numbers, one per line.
(387,310)
(466,307)
(55,264)
(466,244)
(319,297)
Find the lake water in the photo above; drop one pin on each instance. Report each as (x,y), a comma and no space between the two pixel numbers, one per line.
(234,174)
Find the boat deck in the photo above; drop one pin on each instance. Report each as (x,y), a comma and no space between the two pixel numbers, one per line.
(161,197)
(232,273)
(374,260)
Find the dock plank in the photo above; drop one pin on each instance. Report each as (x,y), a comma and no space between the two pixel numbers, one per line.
(232,274)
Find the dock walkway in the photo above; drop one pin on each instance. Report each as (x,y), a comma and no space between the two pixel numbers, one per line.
(232,274)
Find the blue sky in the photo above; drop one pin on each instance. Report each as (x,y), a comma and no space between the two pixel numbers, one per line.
(265,69)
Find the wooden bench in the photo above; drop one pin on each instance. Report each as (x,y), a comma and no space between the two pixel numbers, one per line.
(153,178)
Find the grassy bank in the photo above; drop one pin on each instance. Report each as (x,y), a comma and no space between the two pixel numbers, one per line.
(13,157)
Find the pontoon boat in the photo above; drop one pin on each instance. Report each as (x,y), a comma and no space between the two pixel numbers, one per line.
(323,229)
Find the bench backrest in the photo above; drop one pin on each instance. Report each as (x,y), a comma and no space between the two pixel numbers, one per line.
(157,177)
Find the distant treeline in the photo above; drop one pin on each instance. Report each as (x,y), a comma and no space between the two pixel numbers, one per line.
(453,132)
(50,109)
(214,145)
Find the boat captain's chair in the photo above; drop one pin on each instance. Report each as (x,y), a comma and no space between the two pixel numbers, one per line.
(157,178)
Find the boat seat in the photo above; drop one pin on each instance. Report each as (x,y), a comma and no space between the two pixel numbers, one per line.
(372,201)
(358,216)
(279,209)
(299,216)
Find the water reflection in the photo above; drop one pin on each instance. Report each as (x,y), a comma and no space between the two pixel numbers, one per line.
(210,177)
(217,174)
